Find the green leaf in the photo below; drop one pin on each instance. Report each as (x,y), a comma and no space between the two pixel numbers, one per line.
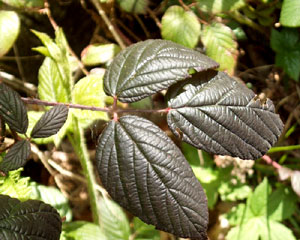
(233,192)
(25,3)
(15,186)
(134,6)
(9,30)
(81,230)
(99,54)
(50,122)
(239,214)
(147,67)
(145,172)
(144,231)
(249,231)
(31,219)
(54,197)
(16,156)
(114,222)
(289,16)
(277,231)
(218,6)
(51,85)
(282,203)
(180,26)
(286,44)
(13,109)
(220,45)
(212,100)
(259,199)
(89,91)
(34,117)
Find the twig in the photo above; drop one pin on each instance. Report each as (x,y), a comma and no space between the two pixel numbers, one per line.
(108,23)
(153,16)
(142,25)
(19,64)
(269,161)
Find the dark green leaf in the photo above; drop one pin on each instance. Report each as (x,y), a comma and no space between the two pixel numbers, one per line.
(150,66)
(12,109)
(16,156)
(145,172)
(218,6)
(50,122)
(31,219)
(220,115)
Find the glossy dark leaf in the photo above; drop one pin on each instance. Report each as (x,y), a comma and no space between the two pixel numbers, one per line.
(220,115)
(12,109)
(16,156)
(31,219)
(150,66)
(146,173)
(51,122)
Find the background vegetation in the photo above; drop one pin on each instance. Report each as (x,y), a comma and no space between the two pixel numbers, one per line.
(256,41)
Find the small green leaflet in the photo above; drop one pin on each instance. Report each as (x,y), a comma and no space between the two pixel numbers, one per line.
(180,26)
(9,30)
(24,4)
(15,186)
(12,110)
(31,219)
(99,54)
(89,91)
(113,220)
(16,156)
(220,45)
(50,122)
(289,16)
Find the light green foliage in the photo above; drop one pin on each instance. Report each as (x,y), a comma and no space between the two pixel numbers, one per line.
(9,30)
(81,230)
(98,54)
(113,221)
(286,44)
(290,13)
(57,50)
(89,91)
(52,196)
(220,45)
(24,3)
(215,181)
(143,231)
(261,214)
(15,186)
(218,6)
(134,6)
(180,26)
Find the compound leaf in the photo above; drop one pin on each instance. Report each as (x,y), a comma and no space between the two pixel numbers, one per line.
(50,122)
(150,66)
(180,26)
(9,30)
(12,109)
(16,156)
(145,172)
(31,219)
(220,115)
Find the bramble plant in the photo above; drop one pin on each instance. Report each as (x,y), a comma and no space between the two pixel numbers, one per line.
(139,165)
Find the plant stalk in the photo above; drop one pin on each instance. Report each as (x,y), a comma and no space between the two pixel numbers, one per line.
(78,142)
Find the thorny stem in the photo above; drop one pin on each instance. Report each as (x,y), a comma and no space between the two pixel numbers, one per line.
(113,110)
(269,161)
